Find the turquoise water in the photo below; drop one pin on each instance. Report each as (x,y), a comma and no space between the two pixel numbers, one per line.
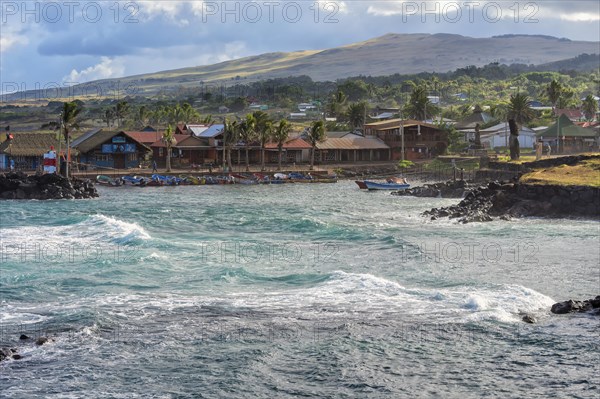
(287,291)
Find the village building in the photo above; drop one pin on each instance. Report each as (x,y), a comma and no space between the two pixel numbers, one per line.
(421,140)
(566,137)
(109,149)
(26,150)
(498,136)
(352,147)
(467,125)
(295,150)
(574,114)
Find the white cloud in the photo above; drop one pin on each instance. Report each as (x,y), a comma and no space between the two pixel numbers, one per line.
(7,40)
(152,9)
(580,17)
(107,68)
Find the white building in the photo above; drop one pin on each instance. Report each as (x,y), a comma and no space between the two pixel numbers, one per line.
(498,135)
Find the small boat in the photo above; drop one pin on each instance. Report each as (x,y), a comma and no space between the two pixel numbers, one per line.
(244,179)
(389,184)
(326,179)
(361,184)
(166,180)
(108,181)
(134,181)
(296,177)
(189,180)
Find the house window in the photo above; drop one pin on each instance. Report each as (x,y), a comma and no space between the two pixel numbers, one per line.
(103,157)
(160,151)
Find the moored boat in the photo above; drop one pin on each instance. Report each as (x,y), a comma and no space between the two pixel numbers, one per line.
(389,184)
(108,181)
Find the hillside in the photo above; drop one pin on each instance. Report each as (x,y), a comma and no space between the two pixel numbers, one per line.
(385,55)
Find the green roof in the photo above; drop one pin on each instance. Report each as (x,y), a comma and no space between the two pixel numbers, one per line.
(566,128)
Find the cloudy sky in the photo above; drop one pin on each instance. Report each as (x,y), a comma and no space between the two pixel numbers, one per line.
(45,43)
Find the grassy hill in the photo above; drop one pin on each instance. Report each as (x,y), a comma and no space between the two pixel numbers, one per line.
(385,55)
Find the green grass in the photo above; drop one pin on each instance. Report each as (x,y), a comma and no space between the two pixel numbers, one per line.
(585,173)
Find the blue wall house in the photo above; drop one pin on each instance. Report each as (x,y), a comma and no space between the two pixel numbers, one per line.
(109,149)
(26,150)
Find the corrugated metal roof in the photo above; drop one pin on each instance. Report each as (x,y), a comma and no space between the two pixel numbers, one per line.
(101,137)
(29,144)
(145,137)
(294,144)
(179,138)
(212,131)
(197,130)
(84,137)
(355,143)
(395,123)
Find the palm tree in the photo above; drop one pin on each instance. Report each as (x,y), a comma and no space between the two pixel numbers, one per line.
(589,107)
(121,112)
(68,121)
(142,117)
(316,134)
(280,135)
(248,135)
(419,106)
(168,138)
(264,131)
(519,108)
(357,113)
(231,133)
(554,91)
(108,116)
(335,106)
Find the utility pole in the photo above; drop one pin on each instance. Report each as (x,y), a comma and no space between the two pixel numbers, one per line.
(60,134)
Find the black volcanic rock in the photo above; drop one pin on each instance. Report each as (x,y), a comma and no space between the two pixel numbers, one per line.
(449,189)
(572,306)
(507,200)
(43,187)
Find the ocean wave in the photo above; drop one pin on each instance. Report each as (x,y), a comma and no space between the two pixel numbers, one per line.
(93,229)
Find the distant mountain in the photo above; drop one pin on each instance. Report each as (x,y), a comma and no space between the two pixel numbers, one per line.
(385,55)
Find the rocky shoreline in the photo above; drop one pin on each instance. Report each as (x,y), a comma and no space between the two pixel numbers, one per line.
(44,187)
(450,189)
(505,200)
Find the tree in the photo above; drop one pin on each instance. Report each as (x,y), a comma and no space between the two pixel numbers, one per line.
(142,117)
(280,135)
(357,113)
(337,102)
(589,107)
(553,91)
(519,108)
(231,133)
(419,106)
(68,121)
(248,135)
(121,112)
(108,116)
(264,131)
(168,138)
(316,134)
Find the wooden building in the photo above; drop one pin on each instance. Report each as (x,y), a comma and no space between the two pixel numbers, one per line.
(109,149)
(26,150)
(421,140)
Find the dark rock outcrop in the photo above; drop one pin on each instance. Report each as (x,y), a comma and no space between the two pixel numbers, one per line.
(506,200)
(43,187)
(449,189)
(9,353)
(572,306)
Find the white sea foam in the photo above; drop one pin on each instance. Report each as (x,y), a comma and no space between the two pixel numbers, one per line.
(94,229)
